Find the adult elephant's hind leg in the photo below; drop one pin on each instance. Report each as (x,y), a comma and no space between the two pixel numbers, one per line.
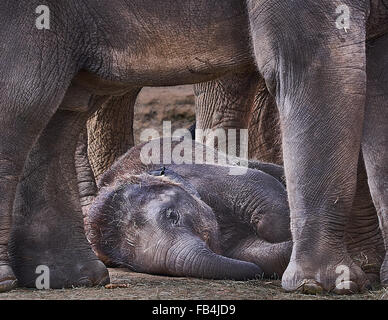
(110,131)
(364,241)
(375,139)
(49,227)
(225,104)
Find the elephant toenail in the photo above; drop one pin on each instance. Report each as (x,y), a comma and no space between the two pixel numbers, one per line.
(310,287)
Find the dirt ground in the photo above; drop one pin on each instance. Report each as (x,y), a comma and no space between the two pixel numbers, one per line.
(135,286)
(154,106)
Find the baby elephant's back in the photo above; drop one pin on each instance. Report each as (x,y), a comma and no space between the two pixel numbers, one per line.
(255,197)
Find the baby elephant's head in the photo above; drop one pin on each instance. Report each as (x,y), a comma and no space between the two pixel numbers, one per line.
(156,223)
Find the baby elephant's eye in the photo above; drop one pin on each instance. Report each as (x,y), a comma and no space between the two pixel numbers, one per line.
(172,216)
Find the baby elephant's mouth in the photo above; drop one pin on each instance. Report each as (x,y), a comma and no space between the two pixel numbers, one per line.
(210,242)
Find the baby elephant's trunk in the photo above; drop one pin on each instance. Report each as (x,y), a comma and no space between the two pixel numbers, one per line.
(201,262)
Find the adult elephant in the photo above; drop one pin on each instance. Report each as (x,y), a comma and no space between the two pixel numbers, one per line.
(94,51)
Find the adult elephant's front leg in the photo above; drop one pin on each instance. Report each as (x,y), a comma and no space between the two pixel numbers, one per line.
(21,122)
(48,228)
(375,139)
(35,71)
(317,72)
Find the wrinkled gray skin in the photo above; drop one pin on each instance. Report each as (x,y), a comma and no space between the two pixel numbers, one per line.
(191,220)
(54,79)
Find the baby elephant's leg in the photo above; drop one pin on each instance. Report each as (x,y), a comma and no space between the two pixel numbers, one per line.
(273,258)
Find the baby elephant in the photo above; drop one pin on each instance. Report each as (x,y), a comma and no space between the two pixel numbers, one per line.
(193,220)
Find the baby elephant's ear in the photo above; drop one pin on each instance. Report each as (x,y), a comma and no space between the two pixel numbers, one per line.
(176,178)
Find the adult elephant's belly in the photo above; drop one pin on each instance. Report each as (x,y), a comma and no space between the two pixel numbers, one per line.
(169,43)
(170,72)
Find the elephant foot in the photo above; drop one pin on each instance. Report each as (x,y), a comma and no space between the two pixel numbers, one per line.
(81,274)
(363,237)
(7,278)
(48,249)
(370,261)
(62,272)
(318,277)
